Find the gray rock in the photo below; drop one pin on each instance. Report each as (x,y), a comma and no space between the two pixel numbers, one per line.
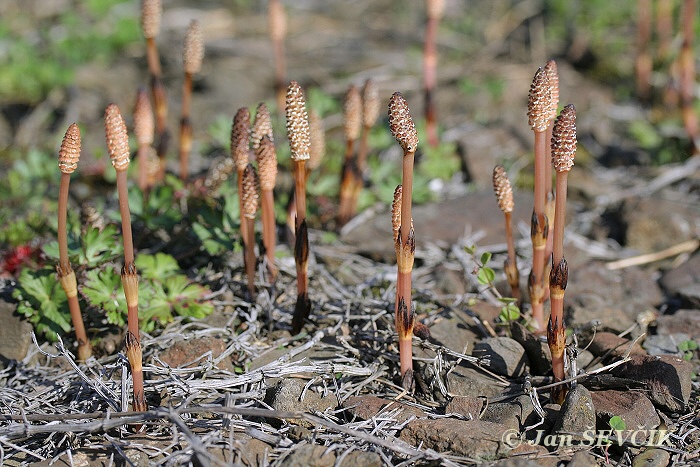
(611,346)
(15,333)
(309,456)
(682,321)
(577,414)
(595,293)
(668,378)
(635,409)
(652,458)
(360,459)
(582,459)
(430,223)
(470,382)
(475,439)
(469,406)
(286,396)
(537,351)
(367,407)
(654,223)
(514,415)
(506,356)
(684,282)
(664,344)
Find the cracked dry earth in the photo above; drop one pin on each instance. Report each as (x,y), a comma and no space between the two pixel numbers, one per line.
(237,389)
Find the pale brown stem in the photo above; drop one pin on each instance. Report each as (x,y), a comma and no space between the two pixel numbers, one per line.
(687,73)
(362,152)
(142,156)
(132,321)
(540,171)
(539,233)
(67,275)
(185,128)
(269,230)
(347,183)
(62,221)
(643,62)
(403,288)
(160,102)
(126,217)
(559,218)
(243,220)
(250,255)
(300,190)
(511,266)
(430,79)
(407,183)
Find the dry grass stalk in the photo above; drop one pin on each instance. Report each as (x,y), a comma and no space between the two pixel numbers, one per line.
(267,167)
(539,108)
(504,197)
(192,56)
(352,125)
(118,149)
(151,12)
(404,131)
(240,144)
(277,23)
(563,153)
(144,127)
(434,10)
(251,198)
(298,133)
(68,157)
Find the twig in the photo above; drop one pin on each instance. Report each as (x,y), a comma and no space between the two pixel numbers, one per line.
(688,246)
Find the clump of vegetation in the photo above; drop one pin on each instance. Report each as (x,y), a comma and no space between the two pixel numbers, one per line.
(404,131)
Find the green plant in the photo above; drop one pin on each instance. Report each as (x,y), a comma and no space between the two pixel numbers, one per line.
(42,300)
(687,349)
(40,58)
(118,147)
(538,112)
(504,197)
(617,423)
(404,131)
(299,143)
(151,12)
(68,158)
(485,275)
(563,153)
(192,55)
(434,10)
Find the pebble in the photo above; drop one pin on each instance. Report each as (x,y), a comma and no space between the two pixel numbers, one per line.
(577,414)
(506,356)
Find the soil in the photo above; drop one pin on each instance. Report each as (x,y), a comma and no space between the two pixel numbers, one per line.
(237,388)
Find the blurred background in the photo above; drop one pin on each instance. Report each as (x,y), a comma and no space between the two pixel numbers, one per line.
(63,61)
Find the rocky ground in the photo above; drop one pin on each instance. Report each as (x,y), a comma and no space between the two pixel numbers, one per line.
(237,388)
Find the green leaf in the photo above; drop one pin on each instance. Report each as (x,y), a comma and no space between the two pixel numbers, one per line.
(157,267)
(485,258)
(100,246)
(470,249)
(688,345)
(617,423)
(486,276)
(43,301)
(509,313)
(103,290)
